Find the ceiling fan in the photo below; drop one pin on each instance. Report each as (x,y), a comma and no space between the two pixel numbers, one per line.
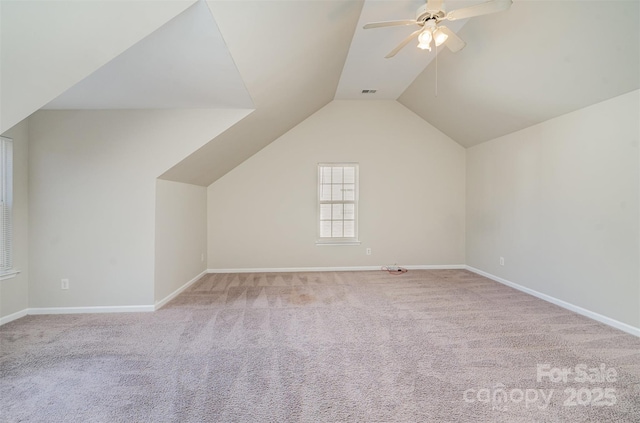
(430,15)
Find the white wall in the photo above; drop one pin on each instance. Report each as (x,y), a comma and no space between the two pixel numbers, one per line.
(262,214)
(92,188)
(14,291)
(181,235)
(559,201)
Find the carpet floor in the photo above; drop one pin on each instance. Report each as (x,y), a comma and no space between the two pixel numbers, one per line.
(424,346)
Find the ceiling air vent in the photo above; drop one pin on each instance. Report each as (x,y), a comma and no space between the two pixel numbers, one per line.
(369,91)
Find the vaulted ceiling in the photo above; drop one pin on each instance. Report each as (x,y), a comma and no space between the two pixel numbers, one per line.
(287,59)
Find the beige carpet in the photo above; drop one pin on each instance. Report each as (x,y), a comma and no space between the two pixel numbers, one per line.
(425,346)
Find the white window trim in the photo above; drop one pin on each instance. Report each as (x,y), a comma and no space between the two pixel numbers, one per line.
(9,274)
(331,241)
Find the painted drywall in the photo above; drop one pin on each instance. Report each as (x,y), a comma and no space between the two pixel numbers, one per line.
(290,73)
(145,76)
(482,94)
(559,201)
(181,235)
(14,291)
(263,213)
(92,188)
(48,46)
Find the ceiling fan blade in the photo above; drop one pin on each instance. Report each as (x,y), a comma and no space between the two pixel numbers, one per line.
(389,23)
(403,43)
(479,9)
(454,43)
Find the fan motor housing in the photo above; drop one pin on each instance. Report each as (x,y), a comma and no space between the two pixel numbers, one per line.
(423,14)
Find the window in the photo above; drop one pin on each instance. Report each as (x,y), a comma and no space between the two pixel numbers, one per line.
(6,187)
(338,203)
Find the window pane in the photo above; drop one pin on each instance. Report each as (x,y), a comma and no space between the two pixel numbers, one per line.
(325,192)
(337,175)
(349,229)
(337,206)
(349,211)
(325,175)
(336,192)
(349,175)
(325,211)
(336,229)
(337,212)
(325,229)
(349,192)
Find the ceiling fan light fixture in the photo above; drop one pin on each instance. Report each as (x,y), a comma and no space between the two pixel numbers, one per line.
(433,12)
(424,40)
(439,37)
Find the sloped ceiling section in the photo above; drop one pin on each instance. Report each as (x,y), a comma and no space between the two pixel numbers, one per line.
(288,79)
(48,46)
(183,64)
(367,68)
(539,60)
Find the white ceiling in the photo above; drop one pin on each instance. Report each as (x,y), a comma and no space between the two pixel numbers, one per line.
(287,59)
(366,67)
(47,46)
(539,60)
(183,64)
(290,55)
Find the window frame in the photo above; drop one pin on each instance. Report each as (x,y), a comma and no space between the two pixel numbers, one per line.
(337,240)
(7,269)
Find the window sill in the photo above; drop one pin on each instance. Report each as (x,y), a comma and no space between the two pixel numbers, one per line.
(9,274)
(329,243)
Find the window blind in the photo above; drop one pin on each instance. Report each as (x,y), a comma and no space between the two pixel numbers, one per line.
(6,187)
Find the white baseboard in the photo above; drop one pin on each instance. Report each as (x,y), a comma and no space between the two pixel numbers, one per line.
(83,310)
(436,267)
(12,317)
(333,269)
(147,308)
(582,311)
(177,292)
(100,309)
(294,269)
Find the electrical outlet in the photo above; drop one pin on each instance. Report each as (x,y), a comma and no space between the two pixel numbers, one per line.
(64,284)
(368,251)
(501,261)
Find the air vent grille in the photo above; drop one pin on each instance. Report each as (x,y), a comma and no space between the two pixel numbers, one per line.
(369,91)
